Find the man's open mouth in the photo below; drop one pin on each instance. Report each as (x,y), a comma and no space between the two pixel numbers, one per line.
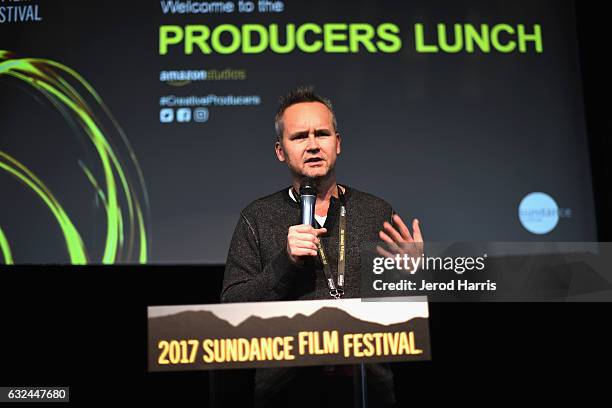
(313,160)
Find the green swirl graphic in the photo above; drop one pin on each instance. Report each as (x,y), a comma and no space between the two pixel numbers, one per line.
(122,199)
(5,248)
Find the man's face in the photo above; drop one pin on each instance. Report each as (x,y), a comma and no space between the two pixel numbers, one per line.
(310,144)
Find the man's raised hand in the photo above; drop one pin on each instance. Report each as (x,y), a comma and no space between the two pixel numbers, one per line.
(402,241)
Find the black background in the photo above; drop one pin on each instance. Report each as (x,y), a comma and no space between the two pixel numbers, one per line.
(85,327)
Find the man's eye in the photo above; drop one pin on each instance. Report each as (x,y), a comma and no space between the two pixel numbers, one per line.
(322,134)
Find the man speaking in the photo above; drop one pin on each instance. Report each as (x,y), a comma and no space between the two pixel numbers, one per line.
(273,256)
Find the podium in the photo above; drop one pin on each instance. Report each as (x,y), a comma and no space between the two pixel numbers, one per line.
(233,340)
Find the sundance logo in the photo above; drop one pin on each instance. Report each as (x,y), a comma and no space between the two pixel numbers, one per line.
(540,214)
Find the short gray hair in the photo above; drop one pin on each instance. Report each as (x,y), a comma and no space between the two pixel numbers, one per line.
(299,95)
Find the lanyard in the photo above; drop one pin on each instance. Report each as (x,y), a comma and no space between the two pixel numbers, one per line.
(336,289)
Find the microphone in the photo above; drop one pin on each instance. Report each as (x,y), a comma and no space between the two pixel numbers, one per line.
(308,197)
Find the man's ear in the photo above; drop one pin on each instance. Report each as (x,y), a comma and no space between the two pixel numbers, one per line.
(280,153)
(338,147)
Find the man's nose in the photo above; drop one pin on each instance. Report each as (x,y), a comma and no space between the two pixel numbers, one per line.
(312,142)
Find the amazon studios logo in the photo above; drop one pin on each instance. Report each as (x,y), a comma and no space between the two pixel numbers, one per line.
(539,213)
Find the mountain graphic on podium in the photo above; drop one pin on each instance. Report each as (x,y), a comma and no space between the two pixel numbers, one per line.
(206,324)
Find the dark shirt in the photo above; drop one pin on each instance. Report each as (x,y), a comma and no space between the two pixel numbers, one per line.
(258,268)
